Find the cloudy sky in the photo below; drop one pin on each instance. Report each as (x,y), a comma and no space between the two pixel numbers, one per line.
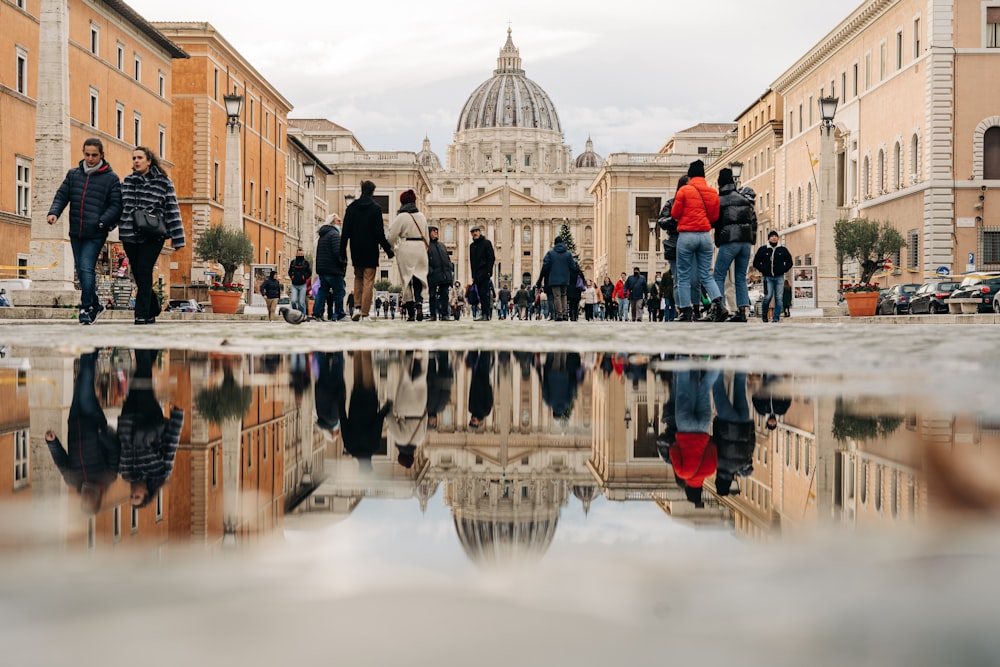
(627,73)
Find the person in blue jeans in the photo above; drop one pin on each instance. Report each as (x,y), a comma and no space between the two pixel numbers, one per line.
(331,268)
(735,231)
(696,208)
(93,193)
(773,261)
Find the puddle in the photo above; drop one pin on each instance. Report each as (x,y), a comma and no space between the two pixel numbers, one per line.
(412,505)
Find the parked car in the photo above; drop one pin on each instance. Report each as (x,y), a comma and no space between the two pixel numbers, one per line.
(984,289)
(930,298)
(184,306)
(897,299)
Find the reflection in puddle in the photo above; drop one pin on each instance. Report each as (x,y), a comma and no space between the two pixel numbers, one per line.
(121,447)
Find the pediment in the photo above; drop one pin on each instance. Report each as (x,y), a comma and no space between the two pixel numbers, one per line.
(495,198)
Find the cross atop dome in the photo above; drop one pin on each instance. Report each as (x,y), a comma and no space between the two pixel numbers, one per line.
(509,60)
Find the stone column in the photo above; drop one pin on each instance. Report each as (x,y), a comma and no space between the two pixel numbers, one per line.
(307,224)
(827,280)
(52,279)
(232,213)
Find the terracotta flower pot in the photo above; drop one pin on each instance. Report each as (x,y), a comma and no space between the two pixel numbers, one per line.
(225,302)
(861,304)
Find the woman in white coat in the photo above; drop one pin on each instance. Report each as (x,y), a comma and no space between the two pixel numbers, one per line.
(408,237)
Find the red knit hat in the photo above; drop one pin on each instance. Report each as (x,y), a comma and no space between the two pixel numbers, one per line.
(408,197)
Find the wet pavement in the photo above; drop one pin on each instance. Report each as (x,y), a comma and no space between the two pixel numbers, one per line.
(388,493)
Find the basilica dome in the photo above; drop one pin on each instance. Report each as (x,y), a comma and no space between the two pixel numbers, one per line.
(509,98)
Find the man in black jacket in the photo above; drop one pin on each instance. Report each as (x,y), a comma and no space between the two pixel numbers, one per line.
(299,273)
(331,268)
(440,274)
(481,261)
(773,262)
(635,291)
(93,193)
(364,232)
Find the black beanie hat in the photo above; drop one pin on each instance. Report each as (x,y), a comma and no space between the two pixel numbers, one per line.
(696,168)
(726,177)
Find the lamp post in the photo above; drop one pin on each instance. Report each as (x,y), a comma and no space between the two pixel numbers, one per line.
(232,215)
(651,255)
(737,168)
(628,238)
(827,280)
(309,205)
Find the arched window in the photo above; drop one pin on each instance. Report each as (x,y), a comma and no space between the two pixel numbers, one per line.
(880,172)
(897,167)
(588,235)
(449,233)
(914,159)
(991,153)
(526,235)
(866,188)
(809,200)
(798,206)
(789,209)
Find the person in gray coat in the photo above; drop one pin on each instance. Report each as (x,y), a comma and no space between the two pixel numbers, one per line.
(440,274)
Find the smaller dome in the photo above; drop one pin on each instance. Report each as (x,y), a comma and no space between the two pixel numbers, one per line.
(589,159)
(426,157)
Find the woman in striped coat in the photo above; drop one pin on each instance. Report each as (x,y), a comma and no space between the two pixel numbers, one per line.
(147,188)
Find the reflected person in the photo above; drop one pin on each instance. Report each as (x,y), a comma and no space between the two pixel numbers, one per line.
(693,455)
(440,378)
(361,425)
(330,391)
(732,432)
(148,440)
(407,423)
(769,404)
(89,464)
(480,387)
(560,375)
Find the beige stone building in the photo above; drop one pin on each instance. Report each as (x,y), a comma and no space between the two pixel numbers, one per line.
(916,135)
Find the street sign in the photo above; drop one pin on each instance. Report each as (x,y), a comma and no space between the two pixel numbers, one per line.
(887,265)
(943,271)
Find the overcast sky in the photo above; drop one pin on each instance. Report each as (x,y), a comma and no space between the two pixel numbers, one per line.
(627,73)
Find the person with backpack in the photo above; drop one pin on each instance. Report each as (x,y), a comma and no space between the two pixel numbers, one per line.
(735,231)
(299,273)
(773,261)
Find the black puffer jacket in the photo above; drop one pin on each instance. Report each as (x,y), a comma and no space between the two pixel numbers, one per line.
(329,260)
(440,270)
(735,209)
(99,198)
(669,225)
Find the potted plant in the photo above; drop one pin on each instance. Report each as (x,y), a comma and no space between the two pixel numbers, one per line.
(230,248)
(848,424)
(227,400)
(861,298)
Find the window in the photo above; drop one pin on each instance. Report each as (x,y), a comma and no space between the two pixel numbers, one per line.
(161,84)
(137,129)
(791,124)
(843,86)
(899,50)
(914,159)
(913,248)
(120,56)
(866,178)
(117,522)
(21,450)
(162,140)
(322,148)
(119,120)
(94,104)
(480,191)
(215,85)
(702,150)
(23,187)
(809,200)
(526,235)
(134,523)
(95,38)
(993,27)
(21,73)
(916,38)
(898,181)
(811,108)
(990,252)
(868,70)
(880,173)
(138,68)
(854,80)
(215,181)
(800,118)
(798,206)
(882,56)
(991,153)
(449,233)
(527,191)
(527,160)
(250,118)
(250,198)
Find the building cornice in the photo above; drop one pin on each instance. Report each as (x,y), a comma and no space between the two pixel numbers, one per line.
(843,33)
(147,28)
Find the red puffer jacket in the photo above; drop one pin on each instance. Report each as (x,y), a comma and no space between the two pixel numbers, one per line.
(696,206)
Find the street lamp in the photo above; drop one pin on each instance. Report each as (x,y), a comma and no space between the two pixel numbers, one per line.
(309,170)
(827,280)
(628,417)
(628,237)
(827,110)
(233,104)
(737,168)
